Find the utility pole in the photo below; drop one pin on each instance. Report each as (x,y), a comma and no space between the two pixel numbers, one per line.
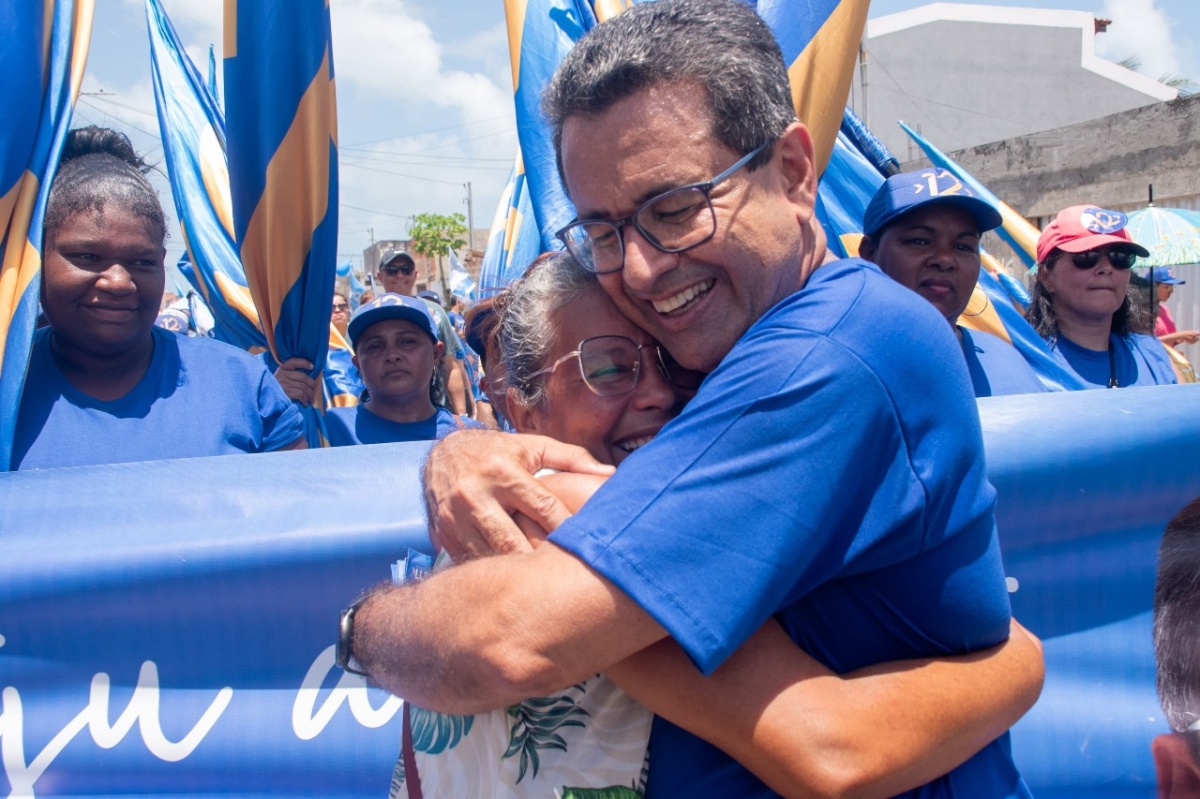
(470,218)
(862,74)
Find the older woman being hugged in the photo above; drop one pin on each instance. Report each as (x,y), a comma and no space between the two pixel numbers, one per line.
(1080,303)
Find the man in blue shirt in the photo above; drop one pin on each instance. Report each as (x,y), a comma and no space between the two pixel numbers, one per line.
(824,474)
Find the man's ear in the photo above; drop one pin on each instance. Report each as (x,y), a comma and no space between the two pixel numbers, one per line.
(798,168)
(866,248)
(438,349)
(1177,771)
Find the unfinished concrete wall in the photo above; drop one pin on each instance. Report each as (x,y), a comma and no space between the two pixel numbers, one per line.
(1109,161)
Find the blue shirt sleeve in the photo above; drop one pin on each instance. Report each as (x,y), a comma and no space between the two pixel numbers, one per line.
(805,457)
(282,422)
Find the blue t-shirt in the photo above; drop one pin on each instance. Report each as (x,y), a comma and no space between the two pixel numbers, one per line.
(1137,360)
(831,473)
(358,425)
(198,397)
(995,366)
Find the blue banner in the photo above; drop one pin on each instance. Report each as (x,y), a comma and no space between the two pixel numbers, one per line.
(179,640)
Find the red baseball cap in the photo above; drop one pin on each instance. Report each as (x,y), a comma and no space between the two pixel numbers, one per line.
(1085,227)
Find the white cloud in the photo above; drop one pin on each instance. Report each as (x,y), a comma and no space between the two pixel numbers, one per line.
(1140,29)
(395,76)
(381,47)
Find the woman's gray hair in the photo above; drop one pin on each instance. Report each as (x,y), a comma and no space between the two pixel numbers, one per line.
(527,332)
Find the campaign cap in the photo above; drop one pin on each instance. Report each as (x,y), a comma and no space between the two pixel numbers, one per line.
(1085,227)
(429,294)
(392,254)
(1163,274)
(908,191)
(391,306)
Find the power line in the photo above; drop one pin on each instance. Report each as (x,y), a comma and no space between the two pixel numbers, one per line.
(432,130)
(401,175)
(373,211)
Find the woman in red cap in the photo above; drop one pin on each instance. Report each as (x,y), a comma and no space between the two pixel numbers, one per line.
(1080,302)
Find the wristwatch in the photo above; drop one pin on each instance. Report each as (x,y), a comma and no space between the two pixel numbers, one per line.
(345,644)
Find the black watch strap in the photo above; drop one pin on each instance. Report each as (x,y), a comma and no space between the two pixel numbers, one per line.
(345,644)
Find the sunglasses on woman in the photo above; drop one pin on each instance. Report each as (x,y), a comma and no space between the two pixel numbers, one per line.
(1120,259)
(610,365)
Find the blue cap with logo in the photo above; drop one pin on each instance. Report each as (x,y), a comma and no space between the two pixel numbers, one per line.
(907,191)
(391,306)
(1163,274)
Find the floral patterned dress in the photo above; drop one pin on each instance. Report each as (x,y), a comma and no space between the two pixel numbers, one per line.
(588,741)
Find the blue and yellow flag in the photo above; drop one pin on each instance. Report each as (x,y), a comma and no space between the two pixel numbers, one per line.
(540,34)
(820,41)
(193,139)
(281,132)
(514,241)
(42,59)
(193,135)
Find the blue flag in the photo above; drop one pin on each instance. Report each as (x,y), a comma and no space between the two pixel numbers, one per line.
(281,131)
(462,285)
(193,138)
(42,57)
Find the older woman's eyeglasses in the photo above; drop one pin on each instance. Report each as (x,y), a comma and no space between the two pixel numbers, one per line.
(1120,259)
(610,365)
(673,221)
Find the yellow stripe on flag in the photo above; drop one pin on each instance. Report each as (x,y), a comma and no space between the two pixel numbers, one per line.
(294,202)
(821,75)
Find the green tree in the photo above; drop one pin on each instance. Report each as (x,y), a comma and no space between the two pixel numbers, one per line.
(432,234)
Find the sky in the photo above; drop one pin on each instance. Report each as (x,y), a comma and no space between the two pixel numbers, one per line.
(425,93)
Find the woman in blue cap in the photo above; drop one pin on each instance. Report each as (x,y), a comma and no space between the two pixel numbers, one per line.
(396,350)
(922,229)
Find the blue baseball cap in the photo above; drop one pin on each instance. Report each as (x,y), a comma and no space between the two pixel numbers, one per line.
(391,306)
(907,191)
(1163,274)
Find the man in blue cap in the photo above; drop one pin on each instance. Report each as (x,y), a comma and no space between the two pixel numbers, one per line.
(922,229)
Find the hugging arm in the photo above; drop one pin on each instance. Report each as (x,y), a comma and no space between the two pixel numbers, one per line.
(806,731)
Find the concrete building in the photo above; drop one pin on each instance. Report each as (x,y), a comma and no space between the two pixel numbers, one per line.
(964,75)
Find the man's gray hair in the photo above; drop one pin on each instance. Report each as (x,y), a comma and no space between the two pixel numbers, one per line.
(722,45)
(527,329)
(1177,625)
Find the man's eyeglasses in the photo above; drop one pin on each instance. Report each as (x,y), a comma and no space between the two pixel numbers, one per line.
(610,365)
(673,221)
(1120,259)
(406,269)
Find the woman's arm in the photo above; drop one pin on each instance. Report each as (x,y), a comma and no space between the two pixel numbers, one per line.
(806,731)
